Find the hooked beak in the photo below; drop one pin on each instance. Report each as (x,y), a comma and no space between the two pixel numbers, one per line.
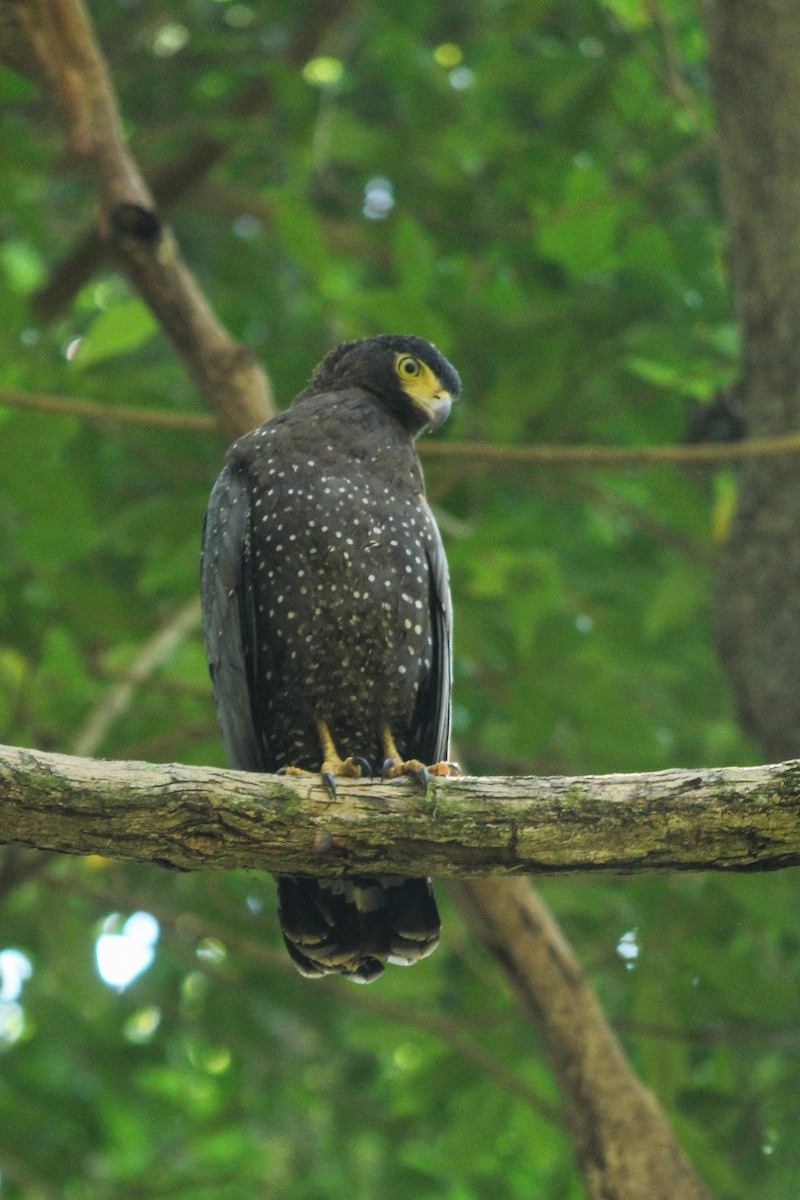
(437,409)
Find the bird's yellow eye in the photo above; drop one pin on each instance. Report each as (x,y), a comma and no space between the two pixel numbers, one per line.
(407,367)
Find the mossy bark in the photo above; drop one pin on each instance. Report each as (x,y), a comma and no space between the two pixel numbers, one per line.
(735,819)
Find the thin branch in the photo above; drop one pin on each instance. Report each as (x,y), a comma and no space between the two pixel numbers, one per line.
(723,819)
(480,454)
(90,410)
(486,456)
(117,699)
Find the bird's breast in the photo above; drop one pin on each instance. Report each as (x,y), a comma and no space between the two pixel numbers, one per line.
(342,571)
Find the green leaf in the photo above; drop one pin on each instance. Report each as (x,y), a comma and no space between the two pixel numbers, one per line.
(580,233)
(116,331)
(22,265)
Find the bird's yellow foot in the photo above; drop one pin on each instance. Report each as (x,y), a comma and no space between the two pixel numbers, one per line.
(334,768)
(394,765)
(333,765)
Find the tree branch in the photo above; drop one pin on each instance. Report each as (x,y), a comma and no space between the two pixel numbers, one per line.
(623,1142)
(172,182)
(91,410)
(66,59)
(118,698)
(480,454)
(486,455)
(725,819)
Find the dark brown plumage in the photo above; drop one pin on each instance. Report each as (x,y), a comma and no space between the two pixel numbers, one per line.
(327,618)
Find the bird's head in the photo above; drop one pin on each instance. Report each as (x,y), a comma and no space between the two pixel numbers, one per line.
(407,374)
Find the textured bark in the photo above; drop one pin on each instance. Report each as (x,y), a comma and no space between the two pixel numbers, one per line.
(623,1142)
(754,56)
(735,819)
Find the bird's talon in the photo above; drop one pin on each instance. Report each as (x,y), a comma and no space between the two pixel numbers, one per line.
(365,766)
(445,770)
(386,769)
(424,779)
(330,783)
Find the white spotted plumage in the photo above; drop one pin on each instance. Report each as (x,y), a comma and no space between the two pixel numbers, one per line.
(325,599)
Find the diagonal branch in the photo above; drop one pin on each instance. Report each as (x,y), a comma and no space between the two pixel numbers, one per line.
(118,698)
(70,68)
(173,181)
(724,819)
(623,1142)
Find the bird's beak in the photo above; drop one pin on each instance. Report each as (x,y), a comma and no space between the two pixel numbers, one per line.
(438,408)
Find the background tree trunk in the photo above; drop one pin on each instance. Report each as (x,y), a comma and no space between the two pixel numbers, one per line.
(754,54)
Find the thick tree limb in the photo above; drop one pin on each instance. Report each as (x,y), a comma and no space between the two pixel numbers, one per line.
(729,819)
(171,183)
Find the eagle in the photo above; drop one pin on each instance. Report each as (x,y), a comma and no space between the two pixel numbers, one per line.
(328,622)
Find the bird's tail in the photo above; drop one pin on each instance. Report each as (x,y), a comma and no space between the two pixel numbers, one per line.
(353,925)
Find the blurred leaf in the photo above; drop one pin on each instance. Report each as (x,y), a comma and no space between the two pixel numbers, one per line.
(119,329)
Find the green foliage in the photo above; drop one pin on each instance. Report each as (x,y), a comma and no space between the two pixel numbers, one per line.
(547,215)
(116,330)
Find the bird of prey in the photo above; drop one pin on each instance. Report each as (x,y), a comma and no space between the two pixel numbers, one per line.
(327,619)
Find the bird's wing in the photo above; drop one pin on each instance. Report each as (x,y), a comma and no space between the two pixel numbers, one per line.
(430,732)
(226,590)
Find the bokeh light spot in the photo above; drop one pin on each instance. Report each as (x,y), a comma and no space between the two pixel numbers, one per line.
(121,957)
(448,54)
(323,71)
(378,198)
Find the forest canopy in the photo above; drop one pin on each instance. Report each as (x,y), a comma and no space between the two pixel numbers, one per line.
(533,187)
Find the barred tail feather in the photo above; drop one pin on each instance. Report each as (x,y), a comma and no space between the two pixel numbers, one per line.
(353,925)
